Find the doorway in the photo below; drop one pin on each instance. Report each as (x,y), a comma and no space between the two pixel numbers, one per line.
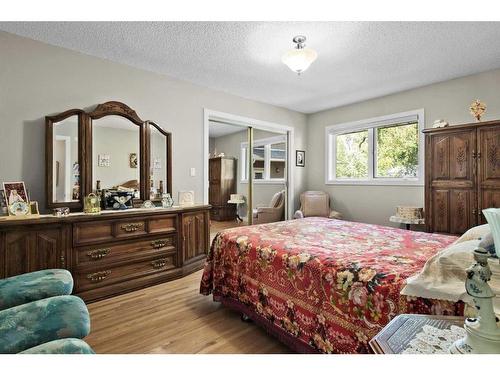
(246,164)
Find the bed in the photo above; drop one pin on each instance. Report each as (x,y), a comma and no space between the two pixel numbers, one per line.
(318,284)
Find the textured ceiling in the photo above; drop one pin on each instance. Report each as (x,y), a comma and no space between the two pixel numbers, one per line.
(356,60)
(216,129)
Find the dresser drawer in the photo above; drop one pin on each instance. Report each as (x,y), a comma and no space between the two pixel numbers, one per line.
(130,228)
(109,253)
(102,276)
(92,232)
(162,224)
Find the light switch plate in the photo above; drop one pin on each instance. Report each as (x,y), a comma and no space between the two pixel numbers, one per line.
(192,172)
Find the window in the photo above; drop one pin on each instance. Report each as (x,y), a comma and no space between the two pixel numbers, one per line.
(386,150)
(268,159)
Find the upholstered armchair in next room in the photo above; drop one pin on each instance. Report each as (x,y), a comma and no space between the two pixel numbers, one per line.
(315,203)
(273,212)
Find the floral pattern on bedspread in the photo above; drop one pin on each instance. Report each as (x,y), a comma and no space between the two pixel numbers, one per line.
(332,284)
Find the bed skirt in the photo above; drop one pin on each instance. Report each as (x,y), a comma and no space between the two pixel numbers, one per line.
(283,336)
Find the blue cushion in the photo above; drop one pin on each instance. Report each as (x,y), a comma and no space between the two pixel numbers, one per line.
(18,290)
(63,346)
(25,326)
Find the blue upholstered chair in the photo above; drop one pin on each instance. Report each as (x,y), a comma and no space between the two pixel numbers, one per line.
(37,315)
(33,286)
(63,346)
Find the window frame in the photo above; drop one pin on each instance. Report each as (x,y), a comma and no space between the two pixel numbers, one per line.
(332,131)
(266,142)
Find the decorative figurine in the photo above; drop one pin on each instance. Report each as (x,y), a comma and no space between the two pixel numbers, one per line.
(60,211)
(440,124)
(166,200)
(186,198)
(477,109)
(147,204)
(19,208)
(482,332)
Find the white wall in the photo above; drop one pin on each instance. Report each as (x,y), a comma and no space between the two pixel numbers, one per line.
(38,79)
(447,100)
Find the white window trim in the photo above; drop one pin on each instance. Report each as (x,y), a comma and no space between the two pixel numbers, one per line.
(266,142)
(369,124)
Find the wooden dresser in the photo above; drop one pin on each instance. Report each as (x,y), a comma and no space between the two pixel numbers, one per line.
(462,173)
(222,183)
(111,253)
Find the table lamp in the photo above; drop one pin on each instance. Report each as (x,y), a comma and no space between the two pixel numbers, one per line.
(483,332)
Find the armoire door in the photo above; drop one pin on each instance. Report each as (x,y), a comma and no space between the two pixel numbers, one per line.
(489,169)
(450,168)
(214,182)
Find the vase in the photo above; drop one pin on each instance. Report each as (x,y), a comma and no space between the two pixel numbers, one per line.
(492,216)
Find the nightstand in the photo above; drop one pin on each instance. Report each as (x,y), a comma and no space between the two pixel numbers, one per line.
(395,336)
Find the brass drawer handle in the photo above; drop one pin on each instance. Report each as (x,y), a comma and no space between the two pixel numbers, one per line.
(158,244)
(131,227)
(159,263)
(98,253)
(98,276)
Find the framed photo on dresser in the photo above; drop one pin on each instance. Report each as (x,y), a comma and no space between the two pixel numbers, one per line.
(15,192)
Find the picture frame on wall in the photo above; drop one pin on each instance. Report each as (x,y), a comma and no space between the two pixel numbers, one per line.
(133,161)
(300,158)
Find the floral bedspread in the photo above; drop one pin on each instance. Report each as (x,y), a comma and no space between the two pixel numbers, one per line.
(332,284)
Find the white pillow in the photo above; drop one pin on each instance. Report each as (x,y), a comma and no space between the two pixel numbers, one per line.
(474,233)
(443,275)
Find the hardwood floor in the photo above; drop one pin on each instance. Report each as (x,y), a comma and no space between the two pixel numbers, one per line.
(173,318)
(217,226)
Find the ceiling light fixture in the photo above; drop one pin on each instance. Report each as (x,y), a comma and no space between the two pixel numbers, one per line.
(299,59)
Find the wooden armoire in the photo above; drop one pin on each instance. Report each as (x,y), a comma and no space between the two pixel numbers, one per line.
(222,183)
(462,175)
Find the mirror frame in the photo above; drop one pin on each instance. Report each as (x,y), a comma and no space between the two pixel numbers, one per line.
(114,108)
(168,139)
(50,123)
(85,151)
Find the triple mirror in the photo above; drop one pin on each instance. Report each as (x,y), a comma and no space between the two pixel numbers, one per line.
(110,148)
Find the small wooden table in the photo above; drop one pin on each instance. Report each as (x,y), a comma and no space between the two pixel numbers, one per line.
(407,222)
(396,336)
(237,202)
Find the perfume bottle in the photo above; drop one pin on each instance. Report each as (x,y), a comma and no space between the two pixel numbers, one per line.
(99,193)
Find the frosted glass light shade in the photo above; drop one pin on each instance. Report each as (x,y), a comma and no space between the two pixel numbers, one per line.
(299,59)
(492,216)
